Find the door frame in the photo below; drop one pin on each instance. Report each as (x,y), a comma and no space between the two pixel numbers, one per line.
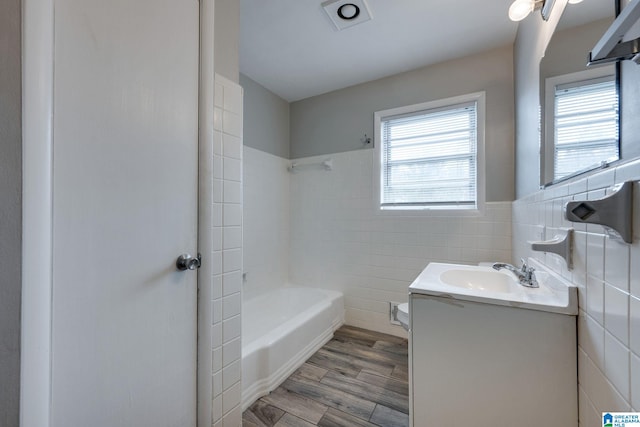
(37,210)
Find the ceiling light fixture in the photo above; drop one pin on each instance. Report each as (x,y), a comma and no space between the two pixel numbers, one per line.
(575,1)
(520,9)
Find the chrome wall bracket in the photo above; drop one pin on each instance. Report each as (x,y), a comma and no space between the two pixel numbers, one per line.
(560,245)
(614,212)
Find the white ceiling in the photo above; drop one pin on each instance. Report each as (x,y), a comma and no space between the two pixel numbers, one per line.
(292,48)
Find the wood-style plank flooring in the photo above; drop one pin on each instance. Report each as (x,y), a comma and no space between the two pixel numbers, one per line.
(359,378)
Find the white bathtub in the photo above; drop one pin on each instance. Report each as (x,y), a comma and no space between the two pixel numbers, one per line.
(280,330)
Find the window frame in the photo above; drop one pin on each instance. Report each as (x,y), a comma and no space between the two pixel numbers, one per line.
(551,83)
(421,210)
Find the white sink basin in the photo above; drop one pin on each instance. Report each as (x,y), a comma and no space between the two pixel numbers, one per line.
(479,280)
(486,285)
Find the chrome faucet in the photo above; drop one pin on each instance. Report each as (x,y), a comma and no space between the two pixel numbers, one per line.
(525,274)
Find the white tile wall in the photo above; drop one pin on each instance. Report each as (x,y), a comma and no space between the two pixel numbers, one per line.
(607,273)
(266,222)
(338,240)
(326,222)
(227,256)
(634,327)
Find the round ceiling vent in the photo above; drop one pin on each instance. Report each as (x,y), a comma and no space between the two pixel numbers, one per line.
(348,11)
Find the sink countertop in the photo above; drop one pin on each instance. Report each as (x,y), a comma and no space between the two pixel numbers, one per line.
(555,294)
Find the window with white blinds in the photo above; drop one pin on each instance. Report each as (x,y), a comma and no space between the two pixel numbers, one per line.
(585,125)
(429,158)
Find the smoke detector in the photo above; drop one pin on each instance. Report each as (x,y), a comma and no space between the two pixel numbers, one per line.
(347,13)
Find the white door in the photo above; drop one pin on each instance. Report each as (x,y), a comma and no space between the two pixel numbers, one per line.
(125,184)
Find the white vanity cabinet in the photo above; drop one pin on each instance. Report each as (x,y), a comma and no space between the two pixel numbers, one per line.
(482,365)
(485,365)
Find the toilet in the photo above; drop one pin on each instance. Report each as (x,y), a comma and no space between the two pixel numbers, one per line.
(402,315)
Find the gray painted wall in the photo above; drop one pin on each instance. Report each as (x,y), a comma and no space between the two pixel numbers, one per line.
(567,50)
(531,41)
(226,39)
(336,121)
(266,119)
(10,210)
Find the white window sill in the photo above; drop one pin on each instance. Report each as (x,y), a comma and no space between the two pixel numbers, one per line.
(477,211)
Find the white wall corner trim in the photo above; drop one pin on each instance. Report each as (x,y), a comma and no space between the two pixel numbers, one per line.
(205,206)
(37,113)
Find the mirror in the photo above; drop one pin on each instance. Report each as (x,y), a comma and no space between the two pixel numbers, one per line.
(578,104)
